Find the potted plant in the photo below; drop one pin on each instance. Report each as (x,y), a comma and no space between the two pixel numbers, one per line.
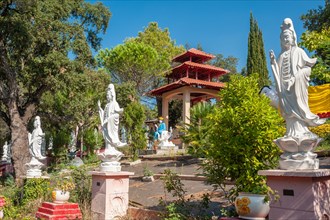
(61,185)
(254,203)
(240,139)
(148,175)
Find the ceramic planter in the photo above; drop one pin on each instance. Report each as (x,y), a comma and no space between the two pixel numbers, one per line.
(251,206)
(60,196)
(148,179)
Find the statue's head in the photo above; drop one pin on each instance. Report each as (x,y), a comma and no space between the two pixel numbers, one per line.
(36,122)
(288,35)
(111,94)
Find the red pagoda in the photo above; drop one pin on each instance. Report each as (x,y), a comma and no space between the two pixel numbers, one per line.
(192,81)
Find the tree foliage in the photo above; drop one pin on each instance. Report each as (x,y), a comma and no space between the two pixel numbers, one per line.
(72,105)
(244,126)
(130,62)
(134,118)
(228,63)
(36,38)
(196,134)
(256,60)
(160,40)
(317,39)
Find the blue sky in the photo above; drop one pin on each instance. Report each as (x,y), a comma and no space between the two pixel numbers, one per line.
(221,27)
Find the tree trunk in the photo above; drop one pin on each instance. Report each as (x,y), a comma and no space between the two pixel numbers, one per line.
(19,138)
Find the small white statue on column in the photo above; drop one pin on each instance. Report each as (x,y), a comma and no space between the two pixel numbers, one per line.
(6,155)
(110,128)
(36,143)
(291,72)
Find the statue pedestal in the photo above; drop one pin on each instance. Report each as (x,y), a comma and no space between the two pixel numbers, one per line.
(50,210)
(109,194)
(304,194)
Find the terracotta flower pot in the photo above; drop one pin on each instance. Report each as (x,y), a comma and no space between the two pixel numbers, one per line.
(60,196)
(251,206)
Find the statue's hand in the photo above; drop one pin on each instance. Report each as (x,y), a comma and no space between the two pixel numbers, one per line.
(99,103)
(272,57)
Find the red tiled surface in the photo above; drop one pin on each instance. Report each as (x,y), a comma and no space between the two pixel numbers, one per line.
(186,81)
(193,53)
(54,211)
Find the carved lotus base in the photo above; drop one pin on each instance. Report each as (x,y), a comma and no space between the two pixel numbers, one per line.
(34,168)
(298,152)
(299,165)
(291,144)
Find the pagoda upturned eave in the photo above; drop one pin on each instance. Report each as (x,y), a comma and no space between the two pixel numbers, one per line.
(186,82)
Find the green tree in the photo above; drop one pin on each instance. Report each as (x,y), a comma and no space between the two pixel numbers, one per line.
(228,63)
(134,118)
(130,62)
(160,40)
(256,59)
(244,126)
(35,40)
(72,104)
(317,39)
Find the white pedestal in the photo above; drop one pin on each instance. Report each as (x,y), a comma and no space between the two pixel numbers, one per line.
(109,194)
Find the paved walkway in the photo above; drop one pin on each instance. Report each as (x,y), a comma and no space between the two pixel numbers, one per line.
(148,194)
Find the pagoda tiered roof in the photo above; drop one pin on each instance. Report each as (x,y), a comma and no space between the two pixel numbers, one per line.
(194,56)
(187,82)
(204,71)
(192,72)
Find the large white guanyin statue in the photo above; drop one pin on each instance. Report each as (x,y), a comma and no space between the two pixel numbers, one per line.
(110,127)
(291,72)
(36,143)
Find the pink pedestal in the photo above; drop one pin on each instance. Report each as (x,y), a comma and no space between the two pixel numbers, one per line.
(109,194)
(304,194)
(55,211)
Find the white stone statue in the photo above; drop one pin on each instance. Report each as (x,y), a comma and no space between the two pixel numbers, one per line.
(50,144)
(6,155)
(73,141)
(36,143)
(110,127)
(36,140)
(291,72)
(162,135)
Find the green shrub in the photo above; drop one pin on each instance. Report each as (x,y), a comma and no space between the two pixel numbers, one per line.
(22,202)
(244,126)
(82,193)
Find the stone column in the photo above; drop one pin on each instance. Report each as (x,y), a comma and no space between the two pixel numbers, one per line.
(165,111)
(109,194)
(186,106)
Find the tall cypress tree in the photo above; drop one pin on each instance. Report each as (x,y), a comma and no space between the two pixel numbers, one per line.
(256,60)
